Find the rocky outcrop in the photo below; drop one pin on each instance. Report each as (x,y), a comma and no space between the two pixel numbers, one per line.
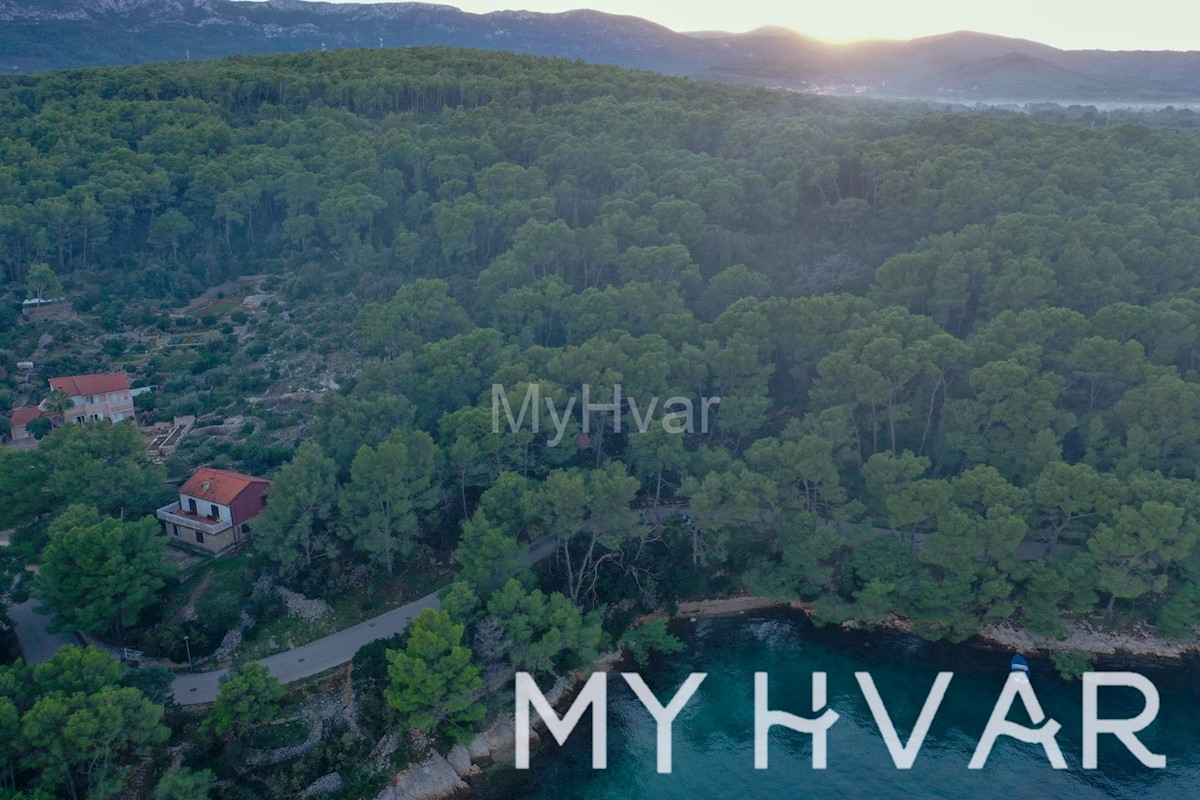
(443,776)
(1139,641)
(432,779)
(479,752)
(324,786)
(501,740)
(460,759)
(725,605)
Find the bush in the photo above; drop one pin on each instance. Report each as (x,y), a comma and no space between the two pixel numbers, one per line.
(221,604)
(154,682)
(1071,664)
(165,641)
(368,679)
(653,637)
(39,427)
(264,604)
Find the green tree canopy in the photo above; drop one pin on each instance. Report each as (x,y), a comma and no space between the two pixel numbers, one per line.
(433,683)
(249,696)
(98,573)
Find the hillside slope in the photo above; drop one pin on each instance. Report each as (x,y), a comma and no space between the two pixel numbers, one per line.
(37,35)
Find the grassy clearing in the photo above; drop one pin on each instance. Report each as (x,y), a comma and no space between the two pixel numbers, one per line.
(218,308)
(283,734)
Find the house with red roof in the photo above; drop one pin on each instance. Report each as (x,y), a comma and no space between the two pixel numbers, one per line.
(21,418)
(214,509)
(104,396)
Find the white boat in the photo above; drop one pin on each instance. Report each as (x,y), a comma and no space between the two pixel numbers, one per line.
(1020,667)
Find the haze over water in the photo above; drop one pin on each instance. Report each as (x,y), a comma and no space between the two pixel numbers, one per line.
(714,735)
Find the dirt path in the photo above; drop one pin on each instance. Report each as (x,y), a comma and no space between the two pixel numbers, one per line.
(186,610)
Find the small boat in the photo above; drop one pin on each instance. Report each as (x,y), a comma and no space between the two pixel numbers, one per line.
(1020,668)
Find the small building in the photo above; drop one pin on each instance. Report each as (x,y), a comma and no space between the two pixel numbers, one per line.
(49,308)
(95,397)
(167,442)
(21,418)
(214,509)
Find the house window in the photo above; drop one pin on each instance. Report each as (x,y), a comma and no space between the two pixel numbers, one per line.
(245,527)
(175,528)
(214,512)
(191,505)
(199,537)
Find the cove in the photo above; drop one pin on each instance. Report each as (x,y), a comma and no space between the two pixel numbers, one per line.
(713,737)
(594,697)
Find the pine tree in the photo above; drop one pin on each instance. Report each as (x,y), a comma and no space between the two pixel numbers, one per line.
(433,680)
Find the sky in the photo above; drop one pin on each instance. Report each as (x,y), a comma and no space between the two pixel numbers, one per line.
(1069,24)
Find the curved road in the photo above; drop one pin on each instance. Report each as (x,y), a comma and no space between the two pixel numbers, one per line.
(336,648)
(330,651)
(307,659)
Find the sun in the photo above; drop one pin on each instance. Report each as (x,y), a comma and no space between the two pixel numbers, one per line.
(1106,25)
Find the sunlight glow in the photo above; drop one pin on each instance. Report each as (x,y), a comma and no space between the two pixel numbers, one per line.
(1068,24)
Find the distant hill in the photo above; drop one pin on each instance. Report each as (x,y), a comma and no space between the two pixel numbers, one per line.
(40,35)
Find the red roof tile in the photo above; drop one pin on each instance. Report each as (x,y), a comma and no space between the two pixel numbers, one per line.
(23,416)
(86,385)
(218,485)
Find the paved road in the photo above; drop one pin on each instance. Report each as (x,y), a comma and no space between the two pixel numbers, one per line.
(308,659)
(37,644)
(328,652)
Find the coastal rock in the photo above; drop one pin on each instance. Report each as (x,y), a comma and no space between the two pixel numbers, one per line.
(1139,641)
(607,662)
(478,750)
(460,759)
(432,779)
(502,740)
(558,690)
(725,605)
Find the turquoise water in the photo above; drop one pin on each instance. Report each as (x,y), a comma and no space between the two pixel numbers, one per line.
(714,735)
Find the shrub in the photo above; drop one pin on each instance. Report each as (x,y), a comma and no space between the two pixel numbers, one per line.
(1071,664)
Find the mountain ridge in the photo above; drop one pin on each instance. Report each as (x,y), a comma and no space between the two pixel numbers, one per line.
(40,35)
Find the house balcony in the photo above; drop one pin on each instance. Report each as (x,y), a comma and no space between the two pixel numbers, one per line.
(174,515)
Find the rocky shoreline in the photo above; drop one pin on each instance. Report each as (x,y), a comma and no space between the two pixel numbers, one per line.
(441,776)
(1141,642)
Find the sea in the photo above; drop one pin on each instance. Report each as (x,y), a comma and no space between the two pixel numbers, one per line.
(713,737)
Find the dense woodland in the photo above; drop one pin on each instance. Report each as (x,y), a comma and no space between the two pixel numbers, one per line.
(955,352)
